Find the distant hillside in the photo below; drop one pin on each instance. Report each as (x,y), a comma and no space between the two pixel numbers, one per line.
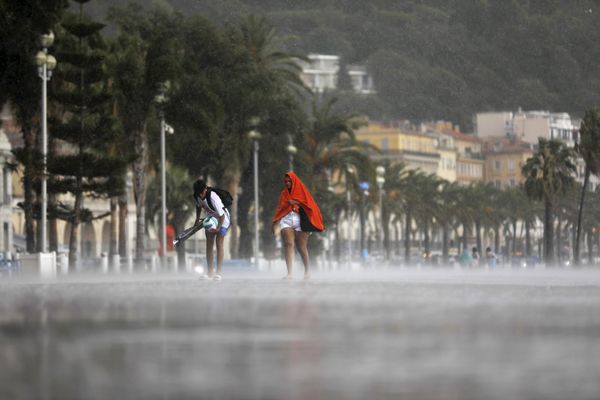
(438,59)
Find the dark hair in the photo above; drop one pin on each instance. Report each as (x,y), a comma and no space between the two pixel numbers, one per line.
(199,186)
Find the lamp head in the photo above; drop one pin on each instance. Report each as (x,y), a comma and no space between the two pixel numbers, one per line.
(291,149)
(40,58)
(47,39)
(50,62)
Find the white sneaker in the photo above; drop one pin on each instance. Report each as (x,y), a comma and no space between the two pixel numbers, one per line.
(217,277)
(204,277)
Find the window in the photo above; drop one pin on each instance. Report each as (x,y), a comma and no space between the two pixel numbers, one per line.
(385,144)
(497,164)
(498,184)
(511,165)
(512,183)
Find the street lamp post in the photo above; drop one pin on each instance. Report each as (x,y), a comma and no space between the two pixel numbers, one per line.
(364,187)
(46,63)
(380,170)
(351,171)
(291,150)
(254,135)
(161,100)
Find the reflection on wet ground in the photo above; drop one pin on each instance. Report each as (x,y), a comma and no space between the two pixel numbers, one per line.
(409,335)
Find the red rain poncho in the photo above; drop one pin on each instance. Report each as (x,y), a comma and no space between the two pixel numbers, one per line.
(300,193)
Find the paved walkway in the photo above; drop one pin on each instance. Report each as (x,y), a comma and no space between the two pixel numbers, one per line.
(364,335)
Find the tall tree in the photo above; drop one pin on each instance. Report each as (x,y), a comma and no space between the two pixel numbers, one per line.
(548,174)
(147,54)
(589,149)
(86,127)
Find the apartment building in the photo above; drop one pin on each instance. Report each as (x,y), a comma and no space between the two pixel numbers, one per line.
(321,74)
(527,126)
(469,163)
(504,158)
(402,144)
(362,82)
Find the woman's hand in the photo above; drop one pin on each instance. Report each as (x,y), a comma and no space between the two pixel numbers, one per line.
(273,227)
(293,202)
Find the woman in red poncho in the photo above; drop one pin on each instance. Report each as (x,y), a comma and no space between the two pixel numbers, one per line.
(298,216)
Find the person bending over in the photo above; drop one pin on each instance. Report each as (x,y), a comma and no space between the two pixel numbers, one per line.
(213,206)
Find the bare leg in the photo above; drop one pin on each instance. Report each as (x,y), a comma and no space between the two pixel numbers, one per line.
(302,244)
(220,240)
(210,240)
(287,237)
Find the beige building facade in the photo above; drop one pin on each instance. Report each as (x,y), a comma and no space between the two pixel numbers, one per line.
(504,159)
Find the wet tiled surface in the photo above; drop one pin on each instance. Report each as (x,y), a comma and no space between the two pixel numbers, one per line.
(370,335)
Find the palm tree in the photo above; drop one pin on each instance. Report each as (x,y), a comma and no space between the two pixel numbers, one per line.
(549,173)
(589,149)
(394,175)
(272,77)
(448,202)
(144,56)
(329,144)
(178,201)
(412,202)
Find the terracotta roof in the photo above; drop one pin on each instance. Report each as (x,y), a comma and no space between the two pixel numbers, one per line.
(461,136)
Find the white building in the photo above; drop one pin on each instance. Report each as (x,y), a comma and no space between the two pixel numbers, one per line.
(322,72)
(493,124)
(531,125)
(362,82)
(527,126)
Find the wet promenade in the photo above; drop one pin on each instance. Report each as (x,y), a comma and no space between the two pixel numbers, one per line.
(363,335)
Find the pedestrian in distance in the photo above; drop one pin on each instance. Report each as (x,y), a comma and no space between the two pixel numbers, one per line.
(466,258)
(476,257)
(208,200)
(490,258)
(298,215)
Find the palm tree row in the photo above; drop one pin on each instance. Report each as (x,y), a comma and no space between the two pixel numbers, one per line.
(222,78)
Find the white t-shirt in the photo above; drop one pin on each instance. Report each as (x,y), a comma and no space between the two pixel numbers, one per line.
(219,210)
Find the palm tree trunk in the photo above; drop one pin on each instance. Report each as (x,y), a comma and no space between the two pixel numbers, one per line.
(243,204)
(514,237)
(232,182)
(407,223)
(586,179)
(362,226)
(123,225)
(445,243)
(140,187)
(426,236)
(114,220)
(497,239)
(478,235)
(548,232)
(590,246)
(527,238)
(52,225)
(386,232)
(74,236)
(397,239)
(558,239)
(28,178)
